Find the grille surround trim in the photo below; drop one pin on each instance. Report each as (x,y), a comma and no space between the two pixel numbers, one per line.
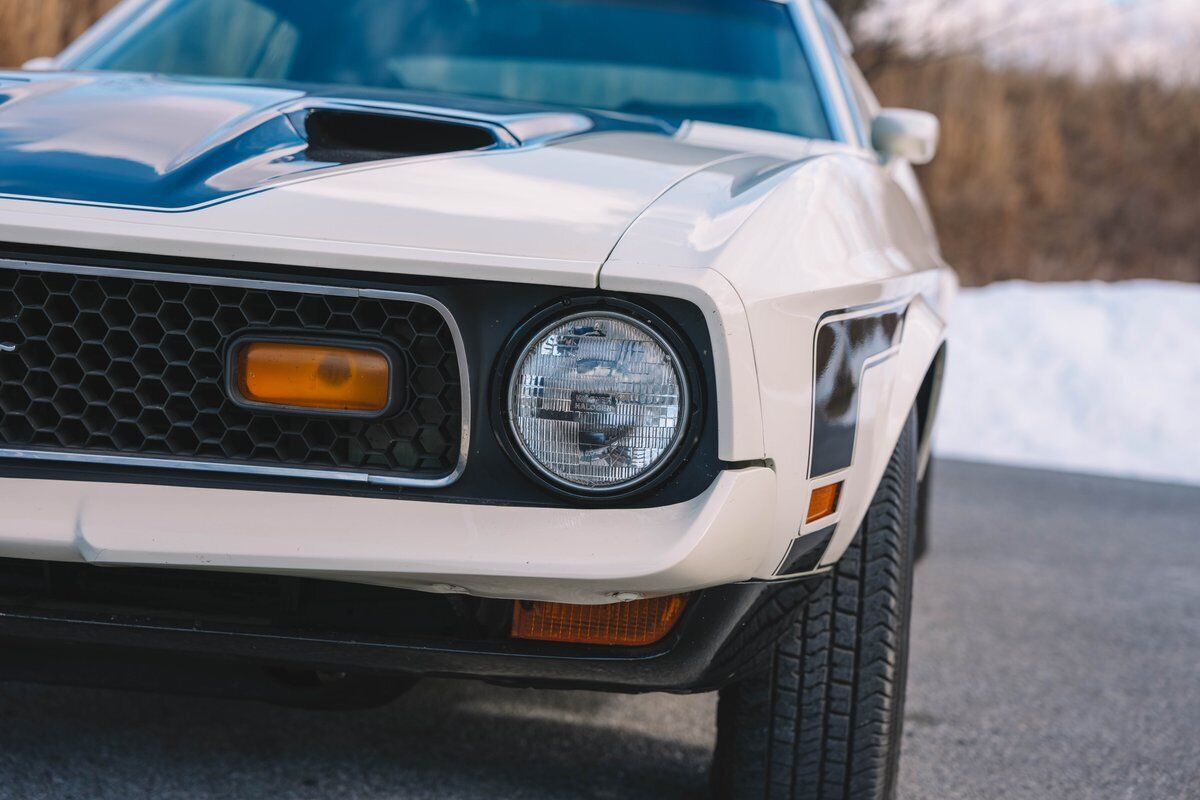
(200,465)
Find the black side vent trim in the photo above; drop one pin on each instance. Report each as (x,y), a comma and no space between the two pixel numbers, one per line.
(356,137)
(806,552)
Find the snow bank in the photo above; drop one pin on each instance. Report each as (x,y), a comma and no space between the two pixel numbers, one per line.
(1087,377)
(1153,38)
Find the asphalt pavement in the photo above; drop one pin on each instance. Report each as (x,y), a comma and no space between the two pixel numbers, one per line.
(1056,654)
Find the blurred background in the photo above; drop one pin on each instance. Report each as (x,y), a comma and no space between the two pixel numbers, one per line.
(1055,637)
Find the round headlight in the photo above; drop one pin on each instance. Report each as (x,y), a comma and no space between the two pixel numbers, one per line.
(598,402)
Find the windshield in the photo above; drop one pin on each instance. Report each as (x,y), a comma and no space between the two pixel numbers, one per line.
(739,62)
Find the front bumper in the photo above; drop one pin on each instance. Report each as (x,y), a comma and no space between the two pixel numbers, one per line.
(208,658)
(81,625)
(252,636)
(574,555)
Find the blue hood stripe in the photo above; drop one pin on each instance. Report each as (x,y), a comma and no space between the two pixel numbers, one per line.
(151,143)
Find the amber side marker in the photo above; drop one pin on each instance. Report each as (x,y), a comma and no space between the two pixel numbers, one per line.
(824,501)
(631,624)
(314,376)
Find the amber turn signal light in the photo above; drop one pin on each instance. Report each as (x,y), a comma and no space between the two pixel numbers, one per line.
(314,376)
(824,501)
(632,624)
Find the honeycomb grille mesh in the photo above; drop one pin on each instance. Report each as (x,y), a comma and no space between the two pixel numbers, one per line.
(134,366)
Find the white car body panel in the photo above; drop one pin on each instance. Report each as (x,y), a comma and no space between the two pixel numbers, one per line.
(530,215)
(766,234)
(777,232)
(573,555)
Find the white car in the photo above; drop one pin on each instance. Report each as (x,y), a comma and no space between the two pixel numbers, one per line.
(570,344)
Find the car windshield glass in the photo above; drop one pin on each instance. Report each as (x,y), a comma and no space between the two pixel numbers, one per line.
(738,62)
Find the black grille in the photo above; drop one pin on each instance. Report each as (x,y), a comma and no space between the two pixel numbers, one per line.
(135,366)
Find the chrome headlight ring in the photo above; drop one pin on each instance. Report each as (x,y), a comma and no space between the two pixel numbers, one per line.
(596,399)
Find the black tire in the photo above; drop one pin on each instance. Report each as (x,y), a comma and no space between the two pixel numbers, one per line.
(823,719)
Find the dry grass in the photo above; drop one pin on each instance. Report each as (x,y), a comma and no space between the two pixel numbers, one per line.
(31,28)
(1057,179)
(1041,178)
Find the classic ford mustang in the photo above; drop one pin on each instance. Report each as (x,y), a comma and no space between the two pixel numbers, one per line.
(563,343)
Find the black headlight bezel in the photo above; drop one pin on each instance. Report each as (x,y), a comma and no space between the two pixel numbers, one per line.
(564,309)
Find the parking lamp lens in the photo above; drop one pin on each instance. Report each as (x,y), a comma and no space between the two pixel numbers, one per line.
(823,502)
(598,402)
(633,624)
(313,376)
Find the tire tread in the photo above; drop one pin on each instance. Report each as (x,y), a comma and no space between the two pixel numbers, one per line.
(816,709)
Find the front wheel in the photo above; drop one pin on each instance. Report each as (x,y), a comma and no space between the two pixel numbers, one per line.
(823,718)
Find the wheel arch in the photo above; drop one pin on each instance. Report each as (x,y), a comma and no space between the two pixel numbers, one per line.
(927,403)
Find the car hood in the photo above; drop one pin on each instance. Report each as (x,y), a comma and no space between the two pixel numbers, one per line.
(147,164)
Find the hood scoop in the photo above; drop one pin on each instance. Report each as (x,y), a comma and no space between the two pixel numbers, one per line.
(355,137)
(161,144)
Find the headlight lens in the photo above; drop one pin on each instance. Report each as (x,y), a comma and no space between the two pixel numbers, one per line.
(598,402)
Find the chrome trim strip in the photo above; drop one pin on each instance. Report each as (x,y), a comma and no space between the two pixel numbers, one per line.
(117,19)
(808,26)
(839,55)
(180,277)
(172,463)
(256,469)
